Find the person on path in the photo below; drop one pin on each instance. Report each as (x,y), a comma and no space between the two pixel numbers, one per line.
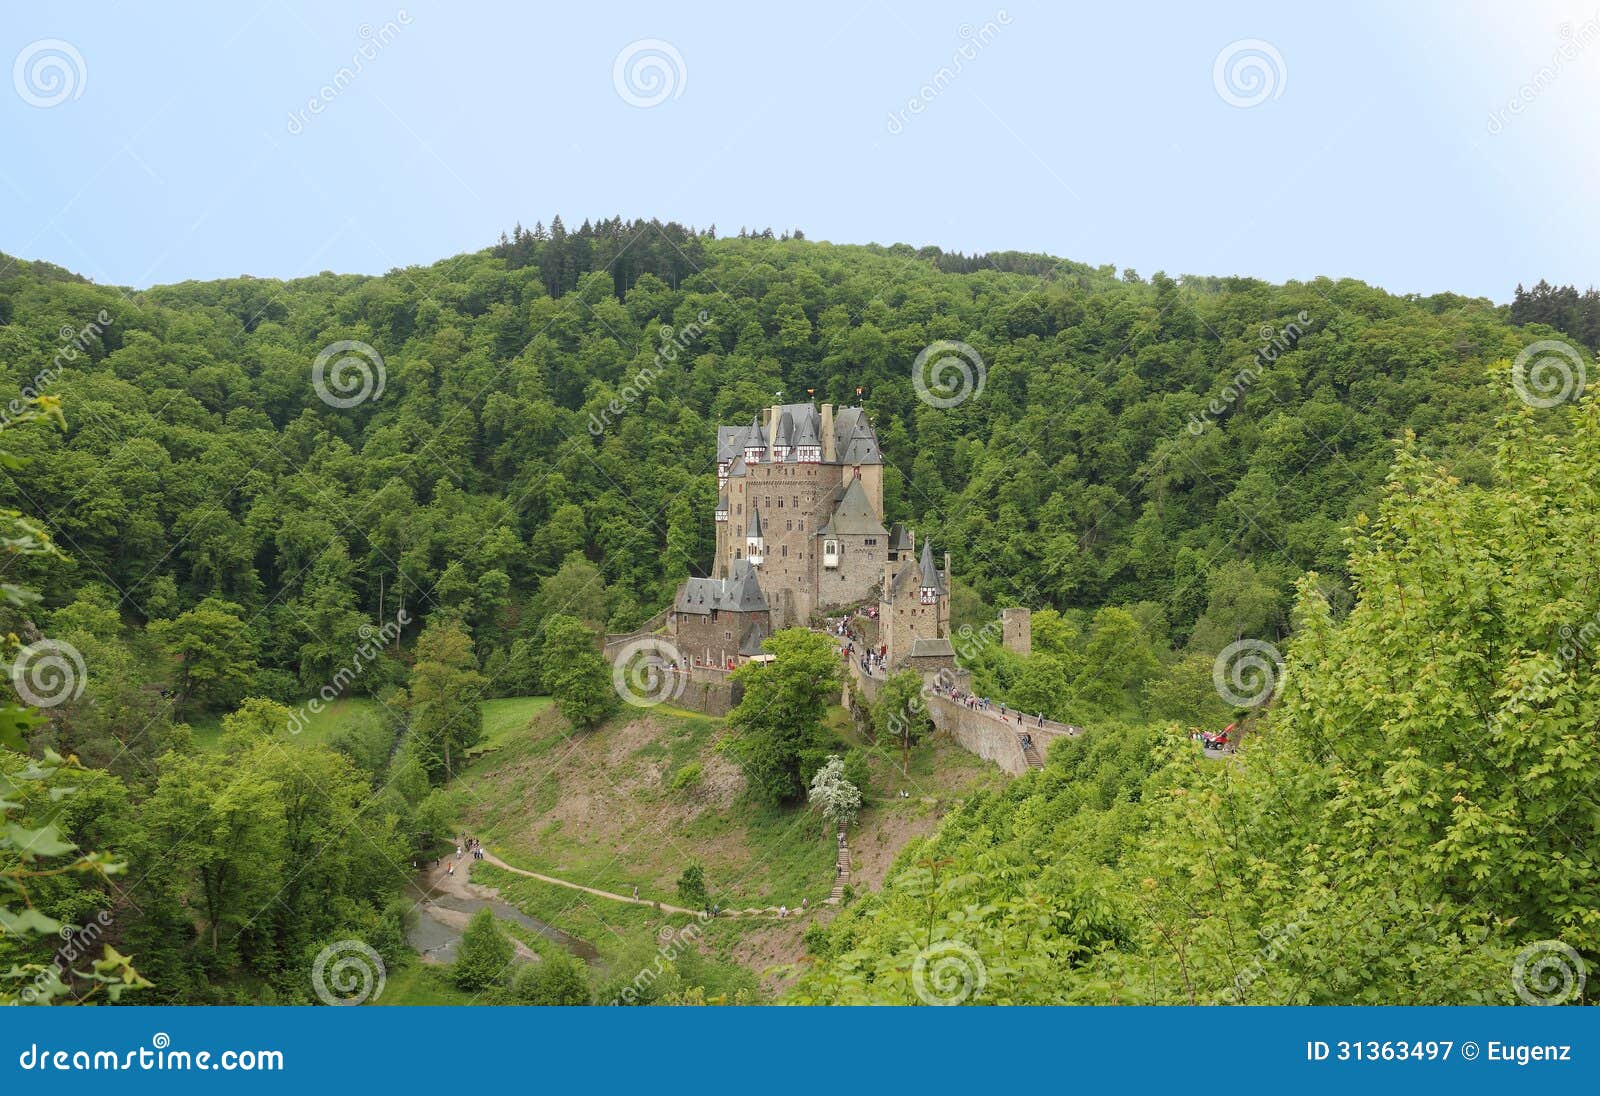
(636,893)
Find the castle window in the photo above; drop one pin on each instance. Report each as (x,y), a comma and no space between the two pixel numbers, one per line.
(871,542)
(738,553)
(727,635)
(789,525)
(784,551)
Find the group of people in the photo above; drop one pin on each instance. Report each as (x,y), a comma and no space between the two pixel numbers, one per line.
(984,704)
(469,844)
(1219,741)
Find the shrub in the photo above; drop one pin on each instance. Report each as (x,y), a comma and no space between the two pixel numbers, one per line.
(484,954)
(559,980)
(686,777)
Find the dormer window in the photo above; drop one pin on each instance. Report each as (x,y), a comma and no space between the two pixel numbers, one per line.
(928,595)
(830,553)
(809,454)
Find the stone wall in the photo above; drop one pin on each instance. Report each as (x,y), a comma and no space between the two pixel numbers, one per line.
(983,734)
(711,691)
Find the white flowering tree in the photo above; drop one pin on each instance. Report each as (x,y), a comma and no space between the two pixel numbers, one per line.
(837,798)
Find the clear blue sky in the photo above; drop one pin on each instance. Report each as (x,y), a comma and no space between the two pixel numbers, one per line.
(1094,132)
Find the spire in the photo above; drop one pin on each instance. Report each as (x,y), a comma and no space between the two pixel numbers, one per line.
(755,522)
(930,574)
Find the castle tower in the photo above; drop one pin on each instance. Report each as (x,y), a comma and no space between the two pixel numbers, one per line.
(1016,630)
(914,614)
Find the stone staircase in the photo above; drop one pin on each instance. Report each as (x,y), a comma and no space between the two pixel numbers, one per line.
(1030,753)
(837,894)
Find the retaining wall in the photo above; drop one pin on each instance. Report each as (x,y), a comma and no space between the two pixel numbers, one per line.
(984,734)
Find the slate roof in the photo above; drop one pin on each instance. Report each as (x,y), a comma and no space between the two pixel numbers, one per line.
(740,593)
(855,441)
(925,647)
(852,514)
(911,573)
(930,573)
(750,643)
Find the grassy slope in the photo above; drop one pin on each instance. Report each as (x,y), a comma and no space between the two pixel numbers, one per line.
(600,809)
(501,718)
(318,727)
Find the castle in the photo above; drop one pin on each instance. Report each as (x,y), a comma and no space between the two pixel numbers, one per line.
(799,521)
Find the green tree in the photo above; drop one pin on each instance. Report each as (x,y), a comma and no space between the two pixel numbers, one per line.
(444,700)
(559,979)
(215,655)
(778,722)
(218,829)
(900,714)
(692,888)
(483,957)
(575,672)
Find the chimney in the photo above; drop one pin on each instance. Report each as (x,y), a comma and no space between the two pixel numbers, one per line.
(772,425)
(829,453)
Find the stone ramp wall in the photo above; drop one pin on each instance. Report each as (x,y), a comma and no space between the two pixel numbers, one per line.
(984,734)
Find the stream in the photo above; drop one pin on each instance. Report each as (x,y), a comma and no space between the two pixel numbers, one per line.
(435,940)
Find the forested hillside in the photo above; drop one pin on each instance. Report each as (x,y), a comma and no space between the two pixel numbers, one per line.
(199,461)
(262,491)
(1414,825)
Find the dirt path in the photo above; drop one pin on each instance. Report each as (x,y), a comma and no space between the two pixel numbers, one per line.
(769,911)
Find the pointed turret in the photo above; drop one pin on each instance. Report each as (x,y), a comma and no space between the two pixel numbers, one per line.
(755,547)
(931,587)
(755,445)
